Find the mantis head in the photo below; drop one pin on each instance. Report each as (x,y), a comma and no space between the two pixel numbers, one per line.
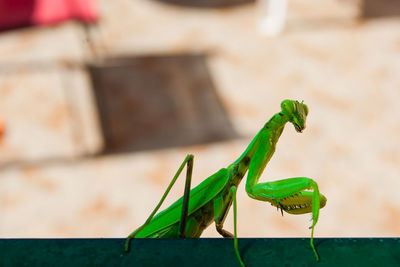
(296,113)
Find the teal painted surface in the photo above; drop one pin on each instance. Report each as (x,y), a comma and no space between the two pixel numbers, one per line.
(200,252)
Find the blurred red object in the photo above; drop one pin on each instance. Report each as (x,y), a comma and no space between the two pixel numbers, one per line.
(2,128)
(20,13)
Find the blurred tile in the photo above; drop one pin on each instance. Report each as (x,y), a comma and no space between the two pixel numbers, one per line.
(36,114)
(84,113)
(41,116)
(142,26)
(336,10)
(58,44)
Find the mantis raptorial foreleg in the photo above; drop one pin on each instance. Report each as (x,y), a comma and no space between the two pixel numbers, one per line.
(189,161)
(286,194)
(281,195)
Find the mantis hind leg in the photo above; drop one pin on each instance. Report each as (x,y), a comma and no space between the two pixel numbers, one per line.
(182,225)
(186,197)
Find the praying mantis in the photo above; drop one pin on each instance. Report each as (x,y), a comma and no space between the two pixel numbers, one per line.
(211,200)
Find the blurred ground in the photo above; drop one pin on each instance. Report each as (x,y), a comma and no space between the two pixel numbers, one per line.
(54,181)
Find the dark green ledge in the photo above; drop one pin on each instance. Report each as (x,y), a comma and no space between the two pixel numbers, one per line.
(200,252)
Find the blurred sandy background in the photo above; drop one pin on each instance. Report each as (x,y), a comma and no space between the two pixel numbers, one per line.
(56,180)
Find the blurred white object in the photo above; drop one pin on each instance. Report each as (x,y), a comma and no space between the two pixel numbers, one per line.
(271,16)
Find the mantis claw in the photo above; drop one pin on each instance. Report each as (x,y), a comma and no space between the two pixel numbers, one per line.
(280,207)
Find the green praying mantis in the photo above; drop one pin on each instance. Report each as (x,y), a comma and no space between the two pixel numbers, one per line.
(211,200)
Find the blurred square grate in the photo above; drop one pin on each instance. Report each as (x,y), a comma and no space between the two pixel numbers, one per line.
(380,8)
(208,3)
(153,102)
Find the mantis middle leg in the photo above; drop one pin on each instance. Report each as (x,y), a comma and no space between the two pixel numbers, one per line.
(182,224)
(221,209)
